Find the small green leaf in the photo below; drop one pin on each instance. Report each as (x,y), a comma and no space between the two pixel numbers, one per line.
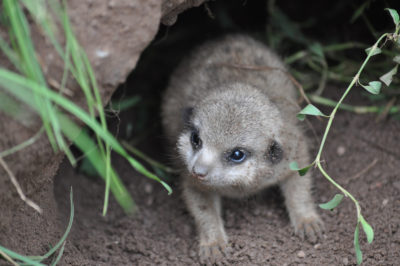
(359,11)
(388,77)
(302,171)
(316,48)
(309,110)
(125,104)
(330,205)
(396,59)
(373,87)
(376,51)
(367,229)
(357,245)
(395,16)
(294,166)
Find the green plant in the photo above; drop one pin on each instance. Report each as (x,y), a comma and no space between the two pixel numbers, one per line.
(56,110)
(372,87)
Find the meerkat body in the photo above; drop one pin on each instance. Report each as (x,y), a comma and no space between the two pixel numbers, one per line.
(231,110)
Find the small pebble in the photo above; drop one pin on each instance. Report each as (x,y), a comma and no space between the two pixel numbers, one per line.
(148,188)
(102,53)
(341,150)
(301,254)
(345,261)
(317,246)
(385,202)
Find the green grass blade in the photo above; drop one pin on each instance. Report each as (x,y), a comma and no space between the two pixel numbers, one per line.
(92,152)
(36,260)
(60,253)
(20,37)
(64,237)
(125,103)
(19,257)
(10,54)
(12,108)
(22,145)
(34,85)
(98,160)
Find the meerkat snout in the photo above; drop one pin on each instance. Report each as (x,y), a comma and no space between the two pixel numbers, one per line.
(203,164)
(199,171)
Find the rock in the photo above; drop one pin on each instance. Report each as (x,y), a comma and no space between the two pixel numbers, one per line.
(301,254)
(341,150)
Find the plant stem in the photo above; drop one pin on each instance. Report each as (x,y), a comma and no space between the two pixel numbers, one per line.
(144,157)
(355,79)
(343,190)
(350,108)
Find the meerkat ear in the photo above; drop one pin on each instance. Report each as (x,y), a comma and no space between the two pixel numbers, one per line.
(187,113)
(274,152)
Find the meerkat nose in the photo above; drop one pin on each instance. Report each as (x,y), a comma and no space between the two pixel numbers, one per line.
(199,171)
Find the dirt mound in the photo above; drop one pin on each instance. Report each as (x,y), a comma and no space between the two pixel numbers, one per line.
(113,34)
(164,233)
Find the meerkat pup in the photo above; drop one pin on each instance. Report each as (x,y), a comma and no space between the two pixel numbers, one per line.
(231,110)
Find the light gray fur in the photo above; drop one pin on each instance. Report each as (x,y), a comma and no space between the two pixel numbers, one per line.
(236,107)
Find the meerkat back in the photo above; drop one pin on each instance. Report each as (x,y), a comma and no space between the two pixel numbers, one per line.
(230,109)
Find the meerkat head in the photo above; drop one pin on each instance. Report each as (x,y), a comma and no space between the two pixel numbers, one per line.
(231,138)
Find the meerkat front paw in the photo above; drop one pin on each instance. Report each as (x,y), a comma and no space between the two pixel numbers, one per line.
(212,253)
(310,228)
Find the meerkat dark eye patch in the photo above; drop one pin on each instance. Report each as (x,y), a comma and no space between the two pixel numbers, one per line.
(195,140)
(275,152)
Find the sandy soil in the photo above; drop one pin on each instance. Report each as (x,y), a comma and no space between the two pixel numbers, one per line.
(361,154)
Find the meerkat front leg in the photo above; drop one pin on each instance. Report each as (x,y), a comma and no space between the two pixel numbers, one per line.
(206,210)
(304,218)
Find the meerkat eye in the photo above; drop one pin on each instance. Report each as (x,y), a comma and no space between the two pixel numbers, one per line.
(195,140)
(275,152)
(237,156)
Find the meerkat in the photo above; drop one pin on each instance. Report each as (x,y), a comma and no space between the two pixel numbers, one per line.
(230,109)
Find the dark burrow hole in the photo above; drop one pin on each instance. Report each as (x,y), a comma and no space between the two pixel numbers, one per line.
(319,21)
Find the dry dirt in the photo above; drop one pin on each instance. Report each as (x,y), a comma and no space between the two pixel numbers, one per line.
(260,234)
(113,34)
(163,232)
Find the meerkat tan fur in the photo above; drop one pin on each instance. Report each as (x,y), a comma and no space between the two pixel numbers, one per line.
(230,109)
